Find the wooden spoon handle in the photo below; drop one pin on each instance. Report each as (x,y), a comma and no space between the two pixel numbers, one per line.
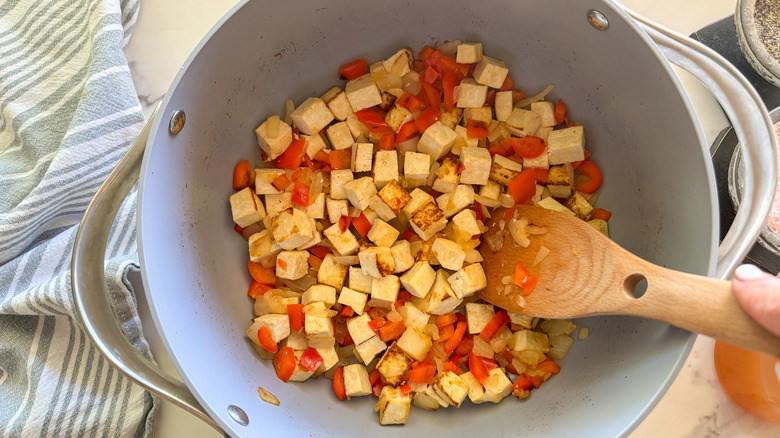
(700,304)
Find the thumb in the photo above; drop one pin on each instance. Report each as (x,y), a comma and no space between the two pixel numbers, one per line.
(759,295)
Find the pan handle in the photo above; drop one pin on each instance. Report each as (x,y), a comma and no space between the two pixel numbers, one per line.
(89,290)
(751,122)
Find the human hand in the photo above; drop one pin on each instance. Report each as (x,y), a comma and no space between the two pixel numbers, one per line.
(759,295)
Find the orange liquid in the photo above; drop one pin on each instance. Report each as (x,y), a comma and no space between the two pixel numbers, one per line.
(750,379)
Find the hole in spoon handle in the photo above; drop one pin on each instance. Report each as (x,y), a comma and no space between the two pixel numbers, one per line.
(635,285)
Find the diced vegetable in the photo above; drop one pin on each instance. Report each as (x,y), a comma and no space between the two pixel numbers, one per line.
(242,175)
(292,156)
(353,70)
(523,187)
(338,384)
(285,363)
(589,169)
(311,359)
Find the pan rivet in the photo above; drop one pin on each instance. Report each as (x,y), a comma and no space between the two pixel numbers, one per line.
(598,20)
(177,122)
(238,415)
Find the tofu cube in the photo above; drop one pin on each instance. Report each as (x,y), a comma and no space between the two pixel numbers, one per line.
(385,289)
(274,145)
(332,273)
(382,234)
(566,145)
(393,406)
(400,63)
(477,165)
(364,157)
(455,201)
(447,177)
(397,116)
(262,245)
(363,93)
(417,166)
(497,386)
(451,388)
(385,168)
(317,326)
(378,206)
(503,170)
(462,134)
(376,261)
(276,204)
(337,102)
(415,343)
(395,366)
(394,196)
(418,198)
(552,204)
(329,355)
(345,243)
(542,161)
(471,94)
(580,206)
(524,121)
(491,190)
(498,131)
(314,144)
(478,315)
(356,382)
(277,324)
(475,389)
(354,299)
(311,116)
(359,330)
(246,207)
(356,127)
(525,340)
(440,299)
(336,208)
(448,118)
(468,280)
(339,135)
(293,229)
(490,72)
(402,256)
(503,105)
(264,179)
(466,222)
(469,53)
(319,293)
(449,254)
(301,373)
(338,178)
(436,141)
(359,280)
(368,349)
(419,279)
(559,182)
(297,341)
(360,191)
(428,220)
(480,114)
(292,265)
(546,112)
(317,208)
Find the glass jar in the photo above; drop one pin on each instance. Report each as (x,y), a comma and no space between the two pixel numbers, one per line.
(750,379)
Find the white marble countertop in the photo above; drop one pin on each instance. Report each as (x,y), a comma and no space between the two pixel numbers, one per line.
(694,407)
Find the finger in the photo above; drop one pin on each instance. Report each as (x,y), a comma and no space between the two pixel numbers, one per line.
(759,294)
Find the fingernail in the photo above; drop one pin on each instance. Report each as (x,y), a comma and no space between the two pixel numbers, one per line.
(748,272)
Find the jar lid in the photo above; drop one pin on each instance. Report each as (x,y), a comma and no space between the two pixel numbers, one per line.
(758,32)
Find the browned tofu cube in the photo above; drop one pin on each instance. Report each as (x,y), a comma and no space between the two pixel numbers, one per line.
(395,196)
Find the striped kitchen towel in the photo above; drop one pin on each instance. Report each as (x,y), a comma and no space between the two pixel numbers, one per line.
(68,112)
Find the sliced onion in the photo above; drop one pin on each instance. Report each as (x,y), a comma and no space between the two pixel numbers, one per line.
(520,300)
(289,107)
(432,330)
(492,203)
(319,312)
(316,187)
(482,348)
(450,48)
(517,229)
(382,304)
(507,200)
(535,98)
(267,397)
(520,367)
(394,315)
(411,83)
(543,252)
(433,174)
(346,260)
(301,284)
(386,80)
(324,342)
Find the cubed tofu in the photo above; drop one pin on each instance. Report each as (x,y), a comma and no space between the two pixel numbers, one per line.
(436,141)
(397,116)
(376,261)
(540,162)
(275,204)
(462,133)
(356,127)
(479,114)
(546,112)
(559,181)
(475,389)
(339,135)
(394,196)
(293,229)
(455,201)
(311,116)
(524,340)
(600,225)
(317,208)
(382,234)
(363,93)
(417,166)
(497,132)
(332,273)
(292,265)
(504,170)
(466,222)
(386,289)
(497,386)
(317,326)
(468,280)
(329,357)
(490,72)
(301,373)
(450,118)
(359,191)
(552,204)
(319,292)
(419,279)
(428,220)
(368,349)
(356,382)
(364,157)
(314,144)
(354,299)
(503,105)
(414,317)
(491,190)
(380,208)
(579,205)
(262,246)
(476,165)
(524,121)
(469,53)
(566,145)
(337,102)
(418,198)
(385,168)
(246,207)
(544,133)
(395,366)
(359,329)
(359,280)
(440,299)
(471,94)
(400,63)
(449,254)
(274,145)
(277,324)
(415,343)
(447,176)
(393,406)
(388,100)
(451,388)
(336,208)
(264,179)
(345,243)
(478,315)
(297,341)
(402,256)
(338,178)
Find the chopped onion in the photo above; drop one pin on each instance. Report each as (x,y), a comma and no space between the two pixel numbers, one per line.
(345,352)
(411,83)
(560,346)
(473,256)
(543,252)
(520,367)
(492,203)
(500,340)
(535,230)
(382,304)
(506,280)
(346,260)
(535,98)
(485,212)
(394,315)
(495,240)
(301,284)
(482,348)
(450,48)
(517,229)
(520,300)
(274,300)
(289,107)
(507,201)
(272,125)
(432,330)
(434,172)
(324,342)
(316,187)
(267,396)
(558,327)
(319,312)
(386,80)
(584,333)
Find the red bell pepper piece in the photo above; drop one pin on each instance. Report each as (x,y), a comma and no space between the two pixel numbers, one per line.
(387,142)
(353,70)
(344,223)
(266,341)
(477,129)
(361,224)
(499,320)
(449,81)
(311,359)
(372,120)
(600,213)
(427,118)
(285,363)
(300,194)
(478,368)
(523,187)
(292,156)
(297,318)
(338,384)
(261,274)
(526,147)
(430,95)
(340,159)
(242,175)
(560,112)
(281,182)
(391,330)
(589,168)
(422,373)
(456,337)
(258,289)
(407,131)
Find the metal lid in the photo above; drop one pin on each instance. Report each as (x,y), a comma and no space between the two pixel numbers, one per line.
(758,31)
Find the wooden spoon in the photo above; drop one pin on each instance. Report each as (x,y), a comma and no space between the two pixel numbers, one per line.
(587,274)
